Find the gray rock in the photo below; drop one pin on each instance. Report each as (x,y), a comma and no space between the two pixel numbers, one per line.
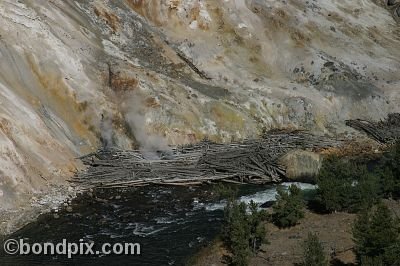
(302,165)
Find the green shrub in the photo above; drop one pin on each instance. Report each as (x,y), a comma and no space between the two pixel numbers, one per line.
(288,208)
(313,252)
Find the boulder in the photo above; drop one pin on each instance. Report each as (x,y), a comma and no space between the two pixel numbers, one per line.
(301,165)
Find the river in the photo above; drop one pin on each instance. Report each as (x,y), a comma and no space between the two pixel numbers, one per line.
(170,223)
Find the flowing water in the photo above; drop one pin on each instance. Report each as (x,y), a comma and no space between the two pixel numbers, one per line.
(170,223)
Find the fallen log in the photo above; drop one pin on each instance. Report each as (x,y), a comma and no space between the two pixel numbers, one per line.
(385,132)
(250,161)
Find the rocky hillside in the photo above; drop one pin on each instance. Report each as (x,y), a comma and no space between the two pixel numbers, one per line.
(154,72)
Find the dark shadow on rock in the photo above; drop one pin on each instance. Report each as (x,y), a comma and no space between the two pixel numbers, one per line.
(267,204)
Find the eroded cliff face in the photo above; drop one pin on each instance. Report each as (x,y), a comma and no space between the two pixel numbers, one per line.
(175,71)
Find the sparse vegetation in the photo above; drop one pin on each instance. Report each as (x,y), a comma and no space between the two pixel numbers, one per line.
(343,185)
(288,209)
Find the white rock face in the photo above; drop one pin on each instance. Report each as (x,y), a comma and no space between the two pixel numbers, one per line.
(42,86)
(180,70)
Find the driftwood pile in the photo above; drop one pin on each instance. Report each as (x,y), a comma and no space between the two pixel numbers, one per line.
(250,161)
(386,132)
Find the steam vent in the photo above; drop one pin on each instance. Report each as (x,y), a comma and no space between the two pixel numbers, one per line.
(114,94)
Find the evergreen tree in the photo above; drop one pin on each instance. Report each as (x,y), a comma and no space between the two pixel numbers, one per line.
(243,233)
(371,261)
(395,168)
(236,231)
(346,186)
(333,184)
(388,172)
(396,158)
(288,208)
(389,184)
(392,254)
(376,235)
(257,228)
(365,190)
(314,254)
